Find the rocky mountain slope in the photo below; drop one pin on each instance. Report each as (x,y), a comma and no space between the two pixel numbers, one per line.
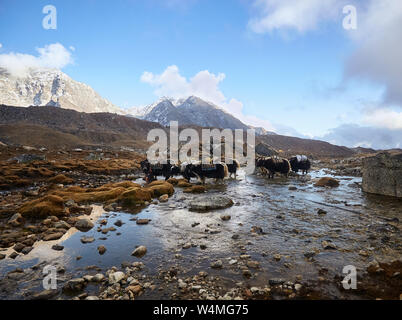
(56,128)
(45,87)
(189,111)
(291,146)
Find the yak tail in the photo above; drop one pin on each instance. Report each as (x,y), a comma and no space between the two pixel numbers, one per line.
(225,170)
(236,163)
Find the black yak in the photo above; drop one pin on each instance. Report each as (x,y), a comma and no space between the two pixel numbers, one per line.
(300,163)
(273,165)
(152,171)
(218,171)
(233,167)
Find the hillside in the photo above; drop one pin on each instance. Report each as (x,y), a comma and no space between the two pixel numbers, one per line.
(292,145)
(60,128)
(56,127)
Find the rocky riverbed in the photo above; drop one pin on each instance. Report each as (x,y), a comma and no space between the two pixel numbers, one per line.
(250,238)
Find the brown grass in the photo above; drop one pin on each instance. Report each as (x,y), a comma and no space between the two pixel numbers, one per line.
(327,182)
(50,205)
(61,179)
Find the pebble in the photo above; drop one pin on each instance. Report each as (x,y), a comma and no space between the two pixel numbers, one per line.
(187,245)
(328,245)
(57,247)
(164,198)
(218,264)
(277,257)
(253,264)
(101,249)
(119,223)
(99,277)
(87,239)
(143,221)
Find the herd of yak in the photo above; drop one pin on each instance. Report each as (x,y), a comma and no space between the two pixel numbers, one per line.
(219,171)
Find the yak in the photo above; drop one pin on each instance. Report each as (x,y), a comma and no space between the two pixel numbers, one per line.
(218,171)
(300,162)
(233,167)
(152,171)
(273,165)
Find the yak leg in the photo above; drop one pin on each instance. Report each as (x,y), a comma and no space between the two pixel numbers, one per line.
(198,177)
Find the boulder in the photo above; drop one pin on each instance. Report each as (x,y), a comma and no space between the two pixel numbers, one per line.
(116,277)
(84,225)
(74,285)
(210,203)
(382,174)
(139,252)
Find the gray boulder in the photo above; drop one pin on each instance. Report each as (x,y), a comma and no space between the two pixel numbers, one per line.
(382,174)
(210,203)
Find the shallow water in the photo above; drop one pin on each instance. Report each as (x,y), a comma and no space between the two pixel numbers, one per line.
(289,220)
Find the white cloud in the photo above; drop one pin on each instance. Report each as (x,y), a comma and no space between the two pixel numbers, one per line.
(379,48)
(377,40)
(352,135)
(204,85)
(1,46)
(53,56)
(384,118)
(299,15)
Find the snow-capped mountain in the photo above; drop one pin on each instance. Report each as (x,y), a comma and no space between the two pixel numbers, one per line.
(50,87)
(189,111)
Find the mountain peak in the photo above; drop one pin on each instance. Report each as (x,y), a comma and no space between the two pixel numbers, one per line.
(52,87)
(189,111)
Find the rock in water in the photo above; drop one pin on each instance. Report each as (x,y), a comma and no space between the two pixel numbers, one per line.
(210,203)
(84,225)
(139,252)
(116,277)
(101,250)
(382,174)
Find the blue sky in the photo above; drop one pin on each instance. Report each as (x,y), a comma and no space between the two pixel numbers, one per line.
(295,77)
